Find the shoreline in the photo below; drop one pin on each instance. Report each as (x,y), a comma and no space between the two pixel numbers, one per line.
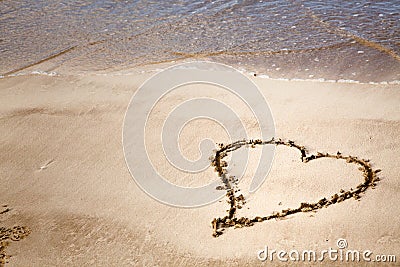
(151,71)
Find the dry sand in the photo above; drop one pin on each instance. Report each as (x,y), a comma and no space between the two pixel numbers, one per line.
(83,207)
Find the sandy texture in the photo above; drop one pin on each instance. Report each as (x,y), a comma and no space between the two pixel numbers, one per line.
(63,175)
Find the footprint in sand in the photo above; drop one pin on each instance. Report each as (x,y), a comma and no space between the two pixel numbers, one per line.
(15,233)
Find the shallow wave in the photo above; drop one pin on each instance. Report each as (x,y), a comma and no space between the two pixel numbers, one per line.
(297,39)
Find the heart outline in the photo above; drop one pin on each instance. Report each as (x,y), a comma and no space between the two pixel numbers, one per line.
(236,202)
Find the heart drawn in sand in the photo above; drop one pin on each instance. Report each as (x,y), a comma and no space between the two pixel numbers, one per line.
(237,201)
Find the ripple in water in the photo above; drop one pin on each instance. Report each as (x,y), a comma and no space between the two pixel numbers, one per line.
(301,39)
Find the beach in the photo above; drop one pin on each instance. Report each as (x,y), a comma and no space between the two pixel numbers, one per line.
(65,178)
(99,98)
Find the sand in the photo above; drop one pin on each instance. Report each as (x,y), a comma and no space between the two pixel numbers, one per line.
(63,175)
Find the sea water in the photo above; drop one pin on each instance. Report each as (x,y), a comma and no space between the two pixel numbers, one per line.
(329,40)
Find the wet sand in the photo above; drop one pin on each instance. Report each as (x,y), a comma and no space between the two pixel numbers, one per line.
(63,176)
